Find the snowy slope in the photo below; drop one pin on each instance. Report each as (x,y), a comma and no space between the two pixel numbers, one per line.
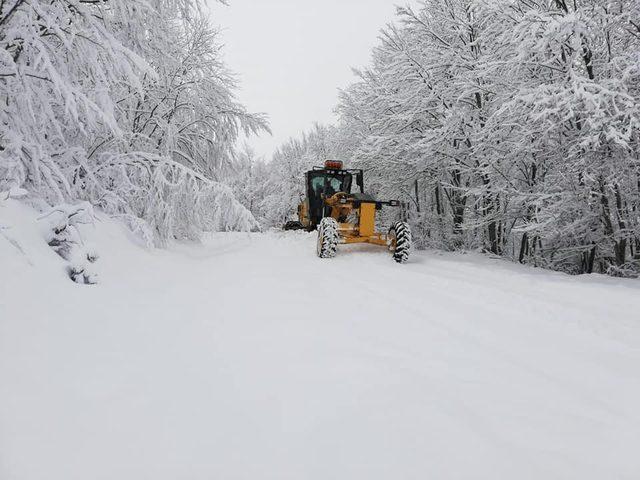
(249,358)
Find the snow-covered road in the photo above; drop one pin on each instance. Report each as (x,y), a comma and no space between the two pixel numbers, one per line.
(248,358)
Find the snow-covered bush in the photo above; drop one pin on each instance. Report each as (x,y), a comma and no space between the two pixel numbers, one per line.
(81,267)
(63,236)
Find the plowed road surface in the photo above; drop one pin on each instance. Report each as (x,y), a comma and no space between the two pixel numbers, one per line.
(249,358)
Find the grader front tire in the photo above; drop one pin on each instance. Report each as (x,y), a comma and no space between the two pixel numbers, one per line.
(401,241)
(328,238)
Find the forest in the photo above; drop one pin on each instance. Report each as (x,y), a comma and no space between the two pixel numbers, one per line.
(509,127)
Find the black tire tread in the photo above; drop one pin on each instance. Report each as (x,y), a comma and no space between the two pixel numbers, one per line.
(328,238)
(402,233)
(293,226)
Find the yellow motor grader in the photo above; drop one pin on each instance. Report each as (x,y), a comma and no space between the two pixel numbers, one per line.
(337,206)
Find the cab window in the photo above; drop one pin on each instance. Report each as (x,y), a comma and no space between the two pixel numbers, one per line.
(334,184)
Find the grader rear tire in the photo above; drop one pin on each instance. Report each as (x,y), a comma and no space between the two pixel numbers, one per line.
(293,226)
(328,238)
(401,241)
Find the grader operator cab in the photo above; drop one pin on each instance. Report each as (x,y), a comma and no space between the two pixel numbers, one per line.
(337,206)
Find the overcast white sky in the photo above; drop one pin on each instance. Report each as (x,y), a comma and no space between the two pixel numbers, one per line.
(293,55)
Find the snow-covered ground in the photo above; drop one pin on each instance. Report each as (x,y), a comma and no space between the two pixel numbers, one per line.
(249,358)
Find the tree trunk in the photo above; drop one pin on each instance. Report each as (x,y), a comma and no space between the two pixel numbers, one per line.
(524,247)
(438,200)
(458,202)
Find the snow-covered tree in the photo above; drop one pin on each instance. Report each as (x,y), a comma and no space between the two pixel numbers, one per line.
(248,177)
